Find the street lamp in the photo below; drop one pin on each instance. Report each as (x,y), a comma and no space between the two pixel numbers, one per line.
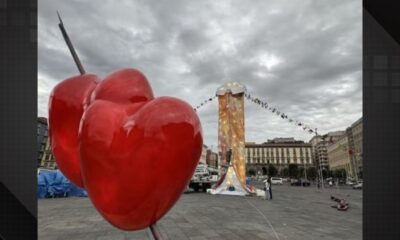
(321,174)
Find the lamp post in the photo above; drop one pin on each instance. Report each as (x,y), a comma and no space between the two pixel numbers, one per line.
(355,166)
(321,175)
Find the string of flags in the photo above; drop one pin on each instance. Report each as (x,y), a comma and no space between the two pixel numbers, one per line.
(266,106)
(281,114)
(204,102)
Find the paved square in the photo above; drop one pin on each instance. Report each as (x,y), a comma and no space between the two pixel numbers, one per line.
(294,213)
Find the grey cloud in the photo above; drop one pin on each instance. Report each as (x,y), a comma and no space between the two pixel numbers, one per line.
(188,48)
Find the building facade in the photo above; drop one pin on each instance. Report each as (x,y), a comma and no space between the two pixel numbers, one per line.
(315,142)
(355,135)
(339,157)
(212,159)
(203,157)
(319,145)
(42,137)
(279,153)
(48,161)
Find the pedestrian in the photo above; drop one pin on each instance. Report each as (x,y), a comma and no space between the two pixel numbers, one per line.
(269,188)
(266,188)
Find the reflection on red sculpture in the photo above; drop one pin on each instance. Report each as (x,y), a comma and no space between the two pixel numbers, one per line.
(137,152)
(67,102)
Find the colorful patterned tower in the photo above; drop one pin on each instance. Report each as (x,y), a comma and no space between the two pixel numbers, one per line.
(231,135)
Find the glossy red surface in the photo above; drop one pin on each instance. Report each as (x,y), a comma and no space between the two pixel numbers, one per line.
(136,166)
(124,86)
(67,102)
(137,153)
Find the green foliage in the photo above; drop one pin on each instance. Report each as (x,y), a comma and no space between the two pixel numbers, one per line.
(285,172)
(340,173)
(272,171)
(293,170)
(324,173)
(312,173)
(251,172)
(300,172)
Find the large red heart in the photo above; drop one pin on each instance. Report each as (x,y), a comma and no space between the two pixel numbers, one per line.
(137,153)
(67,102)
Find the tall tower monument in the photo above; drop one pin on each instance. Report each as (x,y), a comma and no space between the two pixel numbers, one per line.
(231,138)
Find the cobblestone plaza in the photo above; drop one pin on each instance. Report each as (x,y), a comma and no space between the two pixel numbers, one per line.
(294,213)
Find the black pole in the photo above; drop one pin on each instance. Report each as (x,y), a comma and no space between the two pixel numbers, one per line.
(154,229)
(156,232)
(70,46)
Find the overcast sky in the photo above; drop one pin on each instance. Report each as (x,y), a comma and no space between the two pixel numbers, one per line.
(303,57)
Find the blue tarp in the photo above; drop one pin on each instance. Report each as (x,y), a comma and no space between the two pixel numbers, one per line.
(55,184)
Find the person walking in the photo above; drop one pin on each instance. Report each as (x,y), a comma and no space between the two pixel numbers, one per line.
(269,187)
(266,188)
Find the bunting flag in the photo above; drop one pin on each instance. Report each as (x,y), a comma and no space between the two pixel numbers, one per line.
(350,152)
(274,110)
(266,106)
(204,102)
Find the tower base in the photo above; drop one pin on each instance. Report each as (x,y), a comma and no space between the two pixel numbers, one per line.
(230,185)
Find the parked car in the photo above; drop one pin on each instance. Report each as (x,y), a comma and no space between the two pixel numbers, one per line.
(305,183)
(276,180)
(262,177)
(295,182)
(350,183)
(300,182)
(358,185)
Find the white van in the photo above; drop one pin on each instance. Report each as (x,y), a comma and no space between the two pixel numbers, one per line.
(276,180)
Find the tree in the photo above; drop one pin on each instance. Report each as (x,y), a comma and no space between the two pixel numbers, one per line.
(340,173)
(312,173)
(251,172)
(337,173)
(300,173)
(344,174)
(324,173)
(285,172)
(293,170)
(272,171)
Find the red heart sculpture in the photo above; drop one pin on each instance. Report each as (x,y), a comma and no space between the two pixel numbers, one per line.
(67,103)
(137,153)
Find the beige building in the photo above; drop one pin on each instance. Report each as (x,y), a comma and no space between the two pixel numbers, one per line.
(278,152)
(42,135)
(316,150)
(203,157)
(48,161)
(339,157)
(355,135)
(212,159)
(319,145)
